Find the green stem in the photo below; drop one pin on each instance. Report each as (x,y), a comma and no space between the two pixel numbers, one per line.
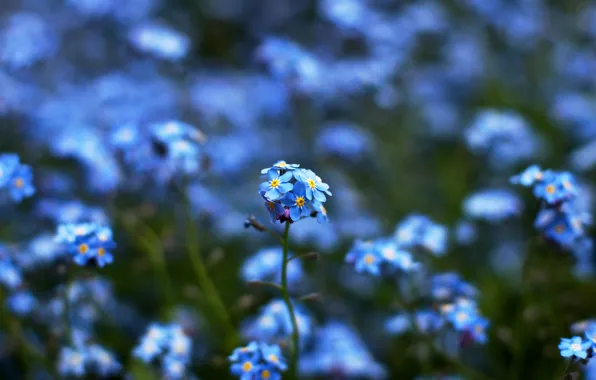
(208,288)
(286,295)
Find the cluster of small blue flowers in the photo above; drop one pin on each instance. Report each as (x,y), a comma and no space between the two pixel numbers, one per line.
(273,324)
(339,352)
(87,360)
(265,265)
(504,136)
(258,360)
(292,193)
(420,232)
(88,243)
(454,305)
(16,179)
(581,348)
(169,344)
(493,205)
(382,256)
(162,151)
(564,212)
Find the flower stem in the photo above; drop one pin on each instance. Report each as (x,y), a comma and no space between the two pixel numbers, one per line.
(286,295)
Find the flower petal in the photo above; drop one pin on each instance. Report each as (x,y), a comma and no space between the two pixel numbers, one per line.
(273,194)
(285,187)
(319,196)
(286,177)
(295,213)
(272,174)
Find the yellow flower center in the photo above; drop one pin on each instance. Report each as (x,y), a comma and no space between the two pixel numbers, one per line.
(311,183)
(538,175)
(300,201)
(265,374)
(369,259)
(559,228)
(102,237)
(19,182)
(101,252)
(576,347)
(567,185)
(281,164)
(274,183)
(271,205)
(550,189)
(323,210)
(273,358)
(83,248)
(461,316)
(247,366)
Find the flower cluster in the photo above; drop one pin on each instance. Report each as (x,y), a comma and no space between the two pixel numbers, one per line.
(504,136)
(16,179)
(258,360)
(273,324)
(464,316)
(564,212)
(419,231)
(88,243)
(162,150)
(168,343)
(265,266)
(87,360)
(292,193)
(381,256)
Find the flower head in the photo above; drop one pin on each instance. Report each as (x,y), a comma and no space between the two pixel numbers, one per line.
(574,346)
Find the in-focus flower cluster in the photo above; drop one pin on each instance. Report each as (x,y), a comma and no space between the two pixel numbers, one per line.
(16,179)
(258,360)
(292,193)
(88,243)
(167,344)
(564,212)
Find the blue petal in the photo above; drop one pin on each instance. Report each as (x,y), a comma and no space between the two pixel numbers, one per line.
(566,353)
(286,177)
(272,174)
(264,186)
(289,200)
(295,213)
(319,196)
(308,191)
(273,194)
(581,354)
(322,186)
(285,187)
(300,189)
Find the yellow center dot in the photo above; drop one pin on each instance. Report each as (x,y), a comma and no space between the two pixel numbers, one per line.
(273,358)
(271,205)
(83,248)
(282,164)
(247,366)
(461,316)
(300,201)
(550,189)
(559,228)
(19,182)
(312,184)
(369,259)
(274,183)
(265,374)
(538,175)
(101,252)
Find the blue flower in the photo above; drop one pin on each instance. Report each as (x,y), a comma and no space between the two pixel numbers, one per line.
(321,212)
(528,177)
(556,187)
(21,303)
(315,187)
(282,166)
(103,361)
(71,362)
(296,201)
(8,164)
(87,243)
(574,346)
(277,184)
(258,360)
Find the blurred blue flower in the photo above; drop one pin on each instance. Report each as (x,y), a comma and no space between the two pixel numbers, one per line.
(574,346)
(22,303)
(257,360)
(493,205)
(25,40)
(503,136)
(265,265)
(159,40)
(418,231)
(344,140)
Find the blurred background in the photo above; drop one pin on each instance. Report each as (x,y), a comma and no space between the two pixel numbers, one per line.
(422,108)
